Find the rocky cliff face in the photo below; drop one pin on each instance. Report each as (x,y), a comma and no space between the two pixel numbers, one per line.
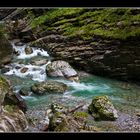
(12,118)
(5,51)
(100,41)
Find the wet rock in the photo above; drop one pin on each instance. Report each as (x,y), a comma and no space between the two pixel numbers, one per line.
(17,67)
(24,92)
(62,69)
(39,61)
(23,70)
(101,108)
(58,108)
(21,62)
(28,50)
(49,87)
(4,70)
(16,52)
(19,44)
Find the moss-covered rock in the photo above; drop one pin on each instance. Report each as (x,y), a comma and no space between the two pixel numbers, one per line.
(102,109)
(12,119)
(49,87)
(4,89)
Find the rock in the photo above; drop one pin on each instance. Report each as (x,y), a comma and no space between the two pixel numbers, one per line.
(58,123)
(8,97)
(120,24)
(4,70)
(6,51)
(12,119)
(102,109)
(16,52)
(21,62)
(15,99)
(28,50)
(4,89)
(19,44)
(39,61)
(49,87)
(23,70)
(61,69)
(17,67)
(24,92)
(44,124)
(58,108)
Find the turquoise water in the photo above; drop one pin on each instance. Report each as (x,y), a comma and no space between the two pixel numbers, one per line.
(125,96)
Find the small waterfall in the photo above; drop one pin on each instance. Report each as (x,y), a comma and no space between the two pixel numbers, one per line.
(35,72)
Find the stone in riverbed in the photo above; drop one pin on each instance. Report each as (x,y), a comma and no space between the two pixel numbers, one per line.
(24,92)
(28,50)
(38,61)
(49,87)
(19,44)
(58,108)
(23,70)
(4,70)
(62,69)
(101,108)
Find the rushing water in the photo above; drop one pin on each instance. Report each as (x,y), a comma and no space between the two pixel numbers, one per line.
(125,96)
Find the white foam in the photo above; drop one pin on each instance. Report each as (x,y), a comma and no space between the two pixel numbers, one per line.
(85,86)
(23,55)
(37,73)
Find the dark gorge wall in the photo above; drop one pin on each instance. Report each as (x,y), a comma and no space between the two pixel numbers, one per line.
(100,41)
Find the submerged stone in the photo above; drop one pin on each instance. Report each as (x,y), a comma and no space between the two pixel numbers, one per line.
(49,87)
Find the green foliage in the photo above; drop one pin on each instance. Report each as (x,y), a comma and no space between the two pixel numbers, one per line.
(86,23)
(55,14)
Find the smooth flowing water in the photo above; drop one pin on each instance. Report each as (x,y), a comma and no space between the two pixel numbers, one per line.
(125,96)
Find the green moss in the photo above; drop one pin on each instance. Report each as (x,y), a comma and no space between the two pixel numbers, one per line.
(54,14)
(9,108)
(87,23)
(82,115)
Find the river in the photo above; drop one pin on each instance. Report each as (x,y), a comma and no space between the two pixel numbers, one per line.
(125,96)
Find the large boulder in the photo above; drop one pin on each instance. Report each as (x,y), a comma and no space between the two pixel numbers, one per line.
(49,87)
(12,107)
(101,108)
(62,69)
(8,97)
(4,89)
(6,51)
(12,119)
